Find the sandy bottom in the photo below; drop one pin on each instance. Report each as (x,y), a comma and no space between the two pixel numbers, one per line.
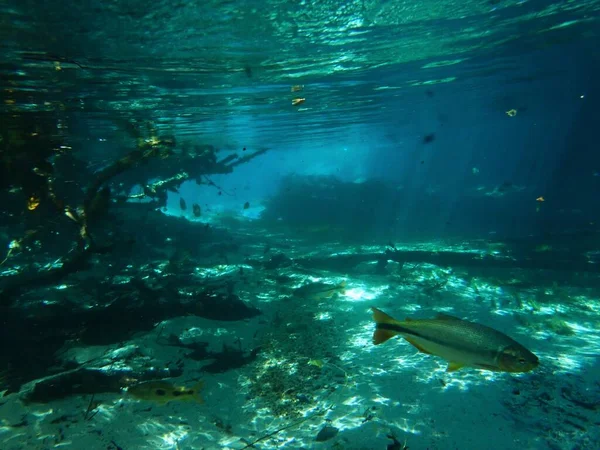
(365,392)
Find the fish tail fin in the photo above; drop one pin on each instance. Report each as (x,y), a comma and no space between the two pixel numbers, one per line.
(197,388)
(382,334)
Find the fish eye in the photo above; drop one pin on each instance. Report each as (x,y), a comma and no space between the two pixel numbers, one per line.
(522,361)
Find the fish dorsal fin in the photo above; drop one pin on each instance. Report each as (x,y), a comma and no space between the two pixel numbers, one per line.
(442,316)
(453,366)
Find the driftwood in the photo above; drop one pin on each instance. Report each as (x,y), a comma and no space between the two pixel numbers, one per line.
(15,284)
(89,380)
(543,260)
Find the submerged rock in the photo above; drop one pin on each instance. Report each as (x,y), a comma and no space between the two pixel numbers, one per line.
(326,433)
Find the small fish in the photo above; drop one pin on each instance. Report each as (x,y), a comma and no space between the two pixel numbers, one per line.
(33,202)
(182,204)
(196,210)
(164,392)
(428,138)
(540,199)
(246,205)
(461,343)
(320,291)
(298,101)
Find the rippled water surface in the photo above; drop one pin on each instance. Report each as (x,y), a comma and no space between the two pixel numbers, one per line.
(227,67)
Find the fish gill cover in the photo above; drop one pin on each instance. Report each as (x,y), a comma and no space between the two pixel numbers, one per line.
(202,201)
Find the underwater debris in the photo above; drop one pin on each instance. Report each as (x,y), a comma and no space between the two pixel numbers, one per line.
(221,425)
(15,284)
(283,380)
(459,342)
(277,261)
(229,167)
(14,246)
(227,359)
(218,306)
(526,260)
(150,148)
(92,409)
(435,287)
(86,381)
(57,205)
(95,204)
(116,446)
(396,444)
(318,412)
(230,358)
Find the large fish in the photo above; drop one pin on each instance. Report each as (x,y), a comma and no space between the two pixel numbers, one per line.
(461,343)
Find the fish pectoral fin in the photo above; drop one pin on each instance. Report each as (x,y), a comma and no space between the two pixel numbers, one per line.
(453,366)
(417,346)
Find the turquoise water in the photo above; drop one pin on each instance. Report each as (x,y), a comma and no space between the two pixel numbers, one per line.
(205,199)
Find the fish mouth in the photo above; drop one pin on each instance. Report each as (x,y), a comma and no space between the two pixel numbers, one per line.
(520,368)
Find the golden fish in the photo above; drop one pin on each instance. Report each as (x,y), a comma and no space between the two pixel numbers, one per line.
(33,202)
(461,343)
(164,392)
(298,101)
